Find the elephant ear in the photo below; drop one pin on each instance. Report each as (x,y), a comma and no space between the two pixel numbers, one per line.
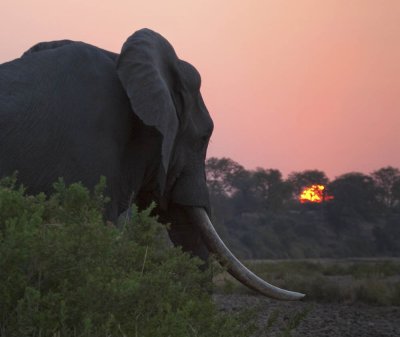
(145,67)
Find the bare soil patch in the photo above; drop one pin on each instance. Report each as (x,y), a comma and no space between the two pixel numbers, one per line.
(315,319)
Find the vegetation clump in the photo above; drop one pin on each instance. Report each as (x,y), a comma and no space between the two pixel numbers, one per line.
(65,272)
(373,282)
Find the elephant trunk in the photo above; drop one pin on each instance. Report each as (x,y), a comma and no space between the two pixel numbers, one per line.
(234,266)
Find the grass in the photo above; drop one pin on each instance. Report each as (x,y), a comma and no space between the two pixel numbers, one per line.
(284,322)
(374,282)
(295,320)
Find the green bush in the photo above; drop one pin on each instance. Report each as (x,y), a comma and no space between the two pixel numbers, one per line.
(65,272)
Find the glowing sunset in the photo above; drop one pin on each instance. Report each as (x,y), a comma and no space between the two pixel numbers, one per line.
(290,85)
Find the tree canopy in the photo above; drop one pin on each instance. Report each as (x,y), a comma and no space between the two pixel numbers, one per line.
(261,207)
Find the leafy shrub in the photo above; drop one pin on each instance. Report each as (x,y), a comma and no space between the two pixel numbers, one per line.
(65,272)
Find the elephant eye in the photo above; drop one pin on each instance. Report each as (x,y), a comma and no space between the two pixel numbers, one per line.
(204,140)
(200,143)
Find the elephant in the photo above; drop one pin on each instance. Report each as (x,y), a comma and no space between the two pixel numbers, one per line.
(69,109)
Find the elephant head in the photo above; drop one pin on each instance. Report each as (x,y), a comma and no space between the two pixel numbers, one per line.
(164,93)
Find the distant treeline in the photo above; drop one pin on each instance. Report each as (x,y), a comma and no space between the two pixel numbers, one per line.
(259,213)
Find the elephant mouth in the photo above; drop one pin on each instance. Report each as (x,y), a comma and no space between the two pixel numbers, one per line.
(234,266)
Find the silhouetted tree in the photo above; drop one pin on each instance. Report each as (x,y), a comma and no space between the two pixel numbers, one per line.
(300,180)
(244,199)
(223,175)
(270,189)
(387,180)
(248,191)
(222,180)
(355,195)
(396,195)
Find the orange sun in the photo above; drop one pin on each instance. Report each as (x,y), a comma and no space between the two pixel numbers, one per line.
(314,194)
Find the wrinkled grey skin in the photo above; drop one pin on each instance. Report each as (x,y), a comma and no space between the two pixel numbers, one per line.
(72,110)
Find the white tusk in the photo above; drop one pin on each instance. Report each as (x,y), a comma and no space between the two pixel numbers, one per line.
(235,267)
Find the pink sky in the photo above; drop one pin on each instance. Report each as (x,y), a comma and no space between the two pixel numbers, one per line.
(292,85)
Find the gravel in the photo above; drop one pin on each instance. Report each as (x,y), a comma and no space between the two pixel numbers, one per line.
(315,319)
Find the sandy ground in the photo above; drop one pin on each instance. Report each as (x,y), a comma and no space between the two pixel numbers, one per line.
(316,319)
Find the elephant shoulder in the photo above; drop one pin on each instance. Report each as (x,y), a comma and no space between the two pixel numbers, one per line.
(68,48)
(48,45)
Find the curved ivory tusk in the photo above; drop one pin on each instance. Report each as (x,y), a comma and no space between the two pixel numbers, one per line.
(235,267)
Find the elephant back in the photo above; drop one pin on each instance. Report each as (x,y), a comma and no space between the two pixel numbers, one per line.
(58,103)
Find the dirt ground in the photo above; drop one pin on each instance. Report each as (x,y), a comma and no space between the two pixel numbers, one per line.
(316,319)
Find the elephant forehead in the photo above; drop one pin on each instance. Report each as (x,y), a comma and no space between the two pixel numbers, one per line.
(191,78)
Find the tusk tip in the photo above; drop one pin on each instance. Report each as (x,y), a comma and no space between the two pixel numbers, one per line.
(297,296)
(281,294)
